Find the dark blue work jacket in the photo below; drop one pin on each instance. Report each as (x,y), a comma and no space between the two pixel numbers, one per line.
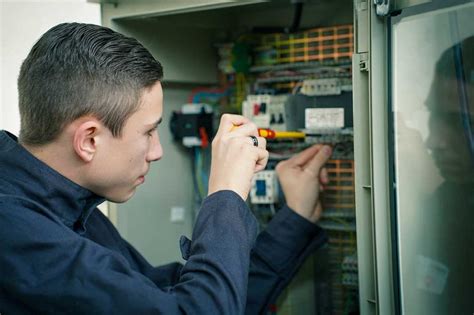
(60,255)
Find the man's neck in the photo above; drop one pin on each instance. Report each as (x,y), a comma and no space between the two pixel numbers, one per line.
(59,156)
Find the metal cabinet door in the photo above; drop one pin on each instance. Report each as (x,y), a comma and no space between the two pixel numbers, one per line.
(413,71)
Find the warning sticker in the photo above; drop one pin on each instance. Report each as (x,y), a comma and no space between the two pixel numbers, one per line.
(431,275)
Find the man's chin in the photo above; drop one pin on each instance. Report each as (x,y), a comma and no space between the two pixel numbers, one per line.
(457,177)
(121,198)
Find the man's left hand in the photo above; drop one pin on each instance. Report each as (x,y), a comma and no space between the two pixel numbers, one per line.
(301,178)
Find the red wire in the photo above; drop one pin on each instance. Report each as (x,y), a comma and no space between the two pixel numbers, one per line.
(204,137)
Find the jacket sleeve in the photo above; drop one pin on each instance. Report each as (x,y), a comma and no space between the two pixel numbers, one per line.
(279,252)
(48,269)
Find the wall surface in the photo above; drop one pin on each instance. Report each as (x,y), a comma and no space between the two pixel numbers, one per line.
(22,22)
(145,219)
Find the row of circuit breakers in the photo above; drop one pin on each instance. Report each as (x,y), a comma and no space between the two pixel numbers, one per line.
(322,110)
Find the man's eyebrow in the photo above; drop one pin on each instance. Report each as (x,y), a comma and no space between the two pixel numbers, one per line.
(155,124)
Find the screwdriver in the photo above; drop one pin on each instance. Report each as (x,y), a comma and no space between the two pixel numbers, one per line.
(272,134)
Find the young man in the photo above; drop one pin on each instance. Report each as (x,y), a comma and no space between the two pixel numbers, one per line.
(90,103)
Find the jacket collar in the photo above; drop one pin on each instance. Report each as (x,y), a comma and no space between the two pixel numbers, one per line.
(23,175)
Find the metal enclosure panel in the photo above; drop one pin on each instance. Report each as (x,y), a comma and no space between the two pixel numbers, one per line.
(146,8)
(380,163)
(372,162)
(362,157)
(183,51)
(178,47)
(185,43)
(363,189)
(402,4)
(389,7)
(431,81)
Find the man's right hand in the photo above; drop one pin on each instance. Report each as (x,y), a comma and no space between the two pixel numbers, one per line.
(234,157)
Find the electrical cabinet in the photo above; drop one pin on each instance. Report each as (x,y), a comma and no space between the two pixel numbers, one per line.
(189,38)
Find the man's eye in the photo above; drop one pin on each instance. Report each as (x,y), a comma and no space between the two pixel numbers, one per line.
(150,133)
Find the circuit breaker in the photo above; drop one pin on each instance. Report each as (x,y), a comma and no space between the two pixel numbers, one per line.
(266,111)
(264,188)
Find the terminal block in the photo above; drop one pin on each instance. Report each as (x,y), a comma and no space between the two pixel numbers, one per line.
(349,271)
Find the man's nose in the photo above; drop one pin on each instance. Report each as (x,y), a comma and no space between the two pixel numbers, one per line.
(156,150)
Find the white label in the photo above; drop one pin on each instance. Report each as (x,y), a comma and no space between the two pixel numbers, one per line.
(177,214)
(324,118)
(191,142)
(431,275)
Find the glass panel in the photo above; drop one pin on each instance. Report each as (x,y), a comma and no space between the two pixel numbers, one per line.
(433,104)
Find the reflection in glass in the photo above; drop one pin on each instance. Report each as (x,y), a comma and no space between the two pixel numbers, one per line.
(435,162)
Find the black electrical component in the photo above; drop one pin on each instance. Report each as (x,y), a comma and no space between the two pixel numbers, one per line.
(296,104)
(193,128)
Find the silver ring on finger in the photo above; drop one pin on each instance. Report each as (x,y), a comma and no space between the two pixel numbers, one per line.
(254,141)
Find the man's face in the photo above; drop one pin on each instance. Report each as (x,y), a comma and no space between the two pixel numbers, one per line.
(121,163)
(447,139)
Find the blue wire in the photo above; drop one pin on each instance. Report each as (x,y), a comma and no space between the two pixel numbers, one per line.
(195,183)
(204,173)
(210,95)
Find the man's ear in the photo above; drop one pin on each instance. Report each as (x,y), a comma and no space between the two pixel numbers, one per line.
(86,138)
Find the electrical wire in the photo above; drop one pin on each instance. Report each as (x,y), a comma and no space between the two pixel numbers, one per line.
(197,195)
(198,170)
(296,17)
(272,209)
(205,163)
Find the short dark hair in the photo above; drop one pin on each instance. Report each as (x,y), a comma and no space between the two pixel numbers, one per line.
(82,69)
(447,72)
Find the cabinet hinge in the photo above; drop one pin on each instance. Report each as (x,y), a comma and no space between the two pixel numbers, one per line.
(363,59)
(382,7)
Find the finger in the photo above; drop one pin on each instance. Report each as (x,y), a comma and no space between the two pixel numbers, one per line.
(247,129)
(262,142)
(228,121)
(323,176)
(304,156)
(259,155)
(262,160)
(316,163)
(281,167)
